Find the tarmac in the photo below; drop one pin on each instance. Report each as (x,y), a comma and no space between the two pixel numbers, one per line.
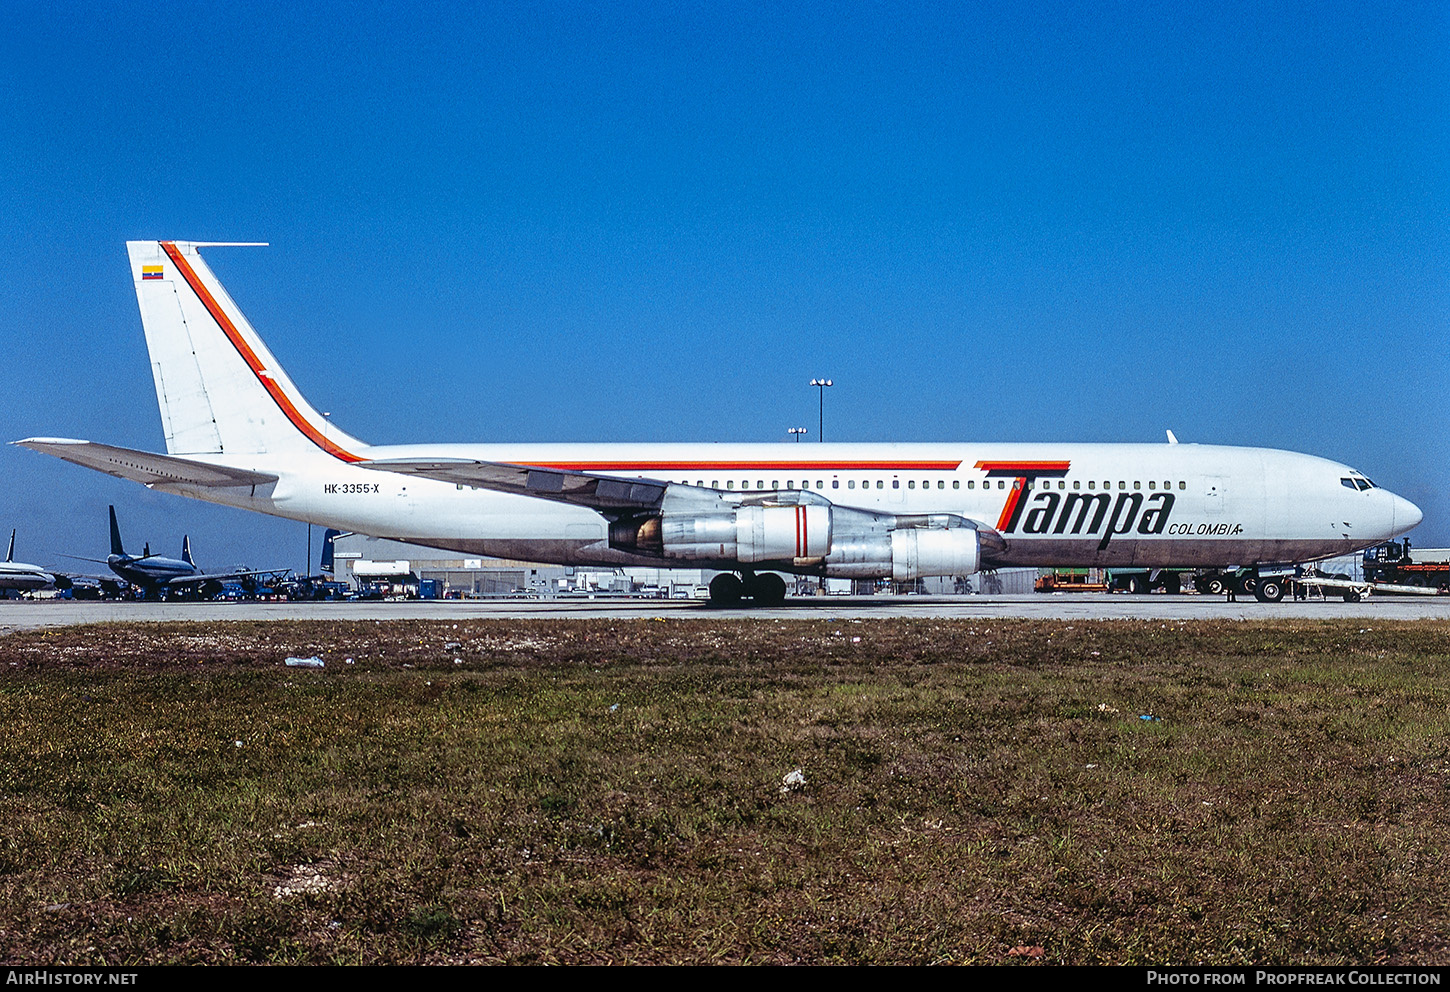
(31,614)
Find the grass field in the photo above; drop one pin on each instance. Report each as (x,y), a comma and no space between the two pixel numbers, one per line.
(612,792)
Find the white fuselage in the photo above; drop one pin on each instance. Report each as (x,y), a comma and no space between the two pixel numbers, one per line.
(1054,504)
(239,432)
(20,576)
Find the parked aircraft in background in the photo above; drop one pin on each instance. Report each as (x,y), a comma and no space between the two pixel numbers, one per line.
(238,432)
(17,576)
(157,576)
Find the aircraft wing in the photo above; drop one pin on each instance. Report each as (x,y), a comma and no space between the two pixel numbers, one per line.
(598,492)
(239,573)
(145,467)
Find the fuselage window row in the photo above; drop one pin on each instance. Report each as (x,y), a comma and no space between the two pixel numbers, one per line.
(926,484)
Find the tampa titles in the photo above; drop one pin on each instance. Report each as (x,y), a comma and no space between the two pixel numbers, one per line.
(1047,511)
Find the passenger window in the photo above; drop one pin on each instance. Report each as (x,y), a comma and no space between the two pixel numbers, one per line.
(1182,484)
(895,483)
(941,483)
(1152,484)
(880,483)
(971,483)
(1002,484)
(1137,484)
(911,484)
(1092,484)
(850,483)
(1077,483)
(1122,484)
(820,484)
(730,484)
(835,483)
(957,483)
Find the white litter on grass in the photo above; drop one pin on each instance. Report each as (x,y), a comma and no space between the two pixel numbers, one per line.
(303,880)
(313,662)
(793,782)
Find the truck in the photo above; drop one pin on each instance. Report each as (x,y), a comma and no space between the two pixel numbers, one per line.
(1141,580)
(1393,563)
(1070,580)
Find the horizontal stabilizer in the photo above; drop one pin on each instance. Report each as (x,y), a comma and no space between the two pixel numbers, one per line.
(145,467)
(598,492)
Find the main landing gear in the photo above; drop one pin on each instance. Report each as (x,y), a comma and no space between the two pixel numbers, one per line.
(765,589)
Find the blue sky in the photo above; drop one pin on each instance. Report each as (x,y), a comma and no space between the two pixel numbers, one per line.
(624,222)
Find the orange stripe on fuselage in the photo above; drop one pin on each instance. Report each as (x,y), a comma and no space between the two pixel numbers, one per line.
(1025,468)
(743,466)
(250,357)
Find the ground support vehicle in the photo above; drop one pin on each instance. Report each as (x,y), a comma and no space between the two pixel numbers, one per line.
(1394,563)
(1142,580)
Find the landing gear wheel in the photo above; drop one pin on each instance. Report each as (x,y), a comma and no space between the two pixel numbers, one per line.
(769,589)
(1269,590)
(1138,584)
(1214,587)
(726,590)
(1172,584)
(1351,595)
(1249,585)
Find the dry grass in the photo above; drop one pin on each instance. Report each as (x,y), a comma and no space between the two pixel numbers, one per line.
(611,792)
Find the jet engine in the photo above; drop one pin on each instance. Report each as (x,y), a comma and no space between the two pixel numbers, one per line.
(799,531)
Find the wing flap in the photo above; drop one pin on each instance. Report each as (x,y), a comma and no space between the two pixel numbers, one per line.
(598,492)
(145,467)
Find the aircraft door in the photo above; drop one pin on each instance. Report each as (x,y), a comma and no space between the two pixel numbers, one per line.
(1215,490)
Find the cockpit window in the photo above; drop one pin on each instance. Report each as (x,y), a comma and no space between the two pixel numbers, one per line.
(1358,482)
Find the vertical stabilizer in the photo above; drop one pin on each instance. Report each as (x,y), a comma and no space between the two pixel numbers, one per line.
(116,548)
(219,389)
(186,550)
(10,551)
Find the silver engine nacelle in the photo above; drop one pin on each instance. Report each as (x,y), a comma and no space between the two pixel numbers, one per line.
(749,534)
(799,532)
(918,552)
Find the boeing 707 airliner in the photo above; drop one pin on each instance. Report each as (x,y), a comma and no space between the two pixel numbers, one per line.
(238,432)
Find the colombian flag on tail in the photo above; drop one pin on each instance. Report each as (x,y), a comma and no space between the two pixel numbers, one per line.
(152,271)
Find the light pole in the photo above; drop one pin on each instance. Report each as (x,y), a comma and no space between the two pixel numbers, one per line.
(821,384)
(797,431)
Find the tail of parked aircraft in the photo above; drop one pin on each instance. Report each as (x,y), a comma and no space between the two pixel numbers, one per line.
(220,390)
(328,537)
(10,551)
(116,548)
(186,550)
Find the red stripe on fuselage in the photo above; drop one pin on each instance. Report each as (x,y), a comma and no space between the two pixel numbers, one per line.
(1008,507)
(250,357)
(1024,468)
(744,466)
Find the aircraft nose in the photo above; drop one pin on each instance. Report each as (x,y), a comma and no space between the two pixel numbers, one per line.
(1404,515)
